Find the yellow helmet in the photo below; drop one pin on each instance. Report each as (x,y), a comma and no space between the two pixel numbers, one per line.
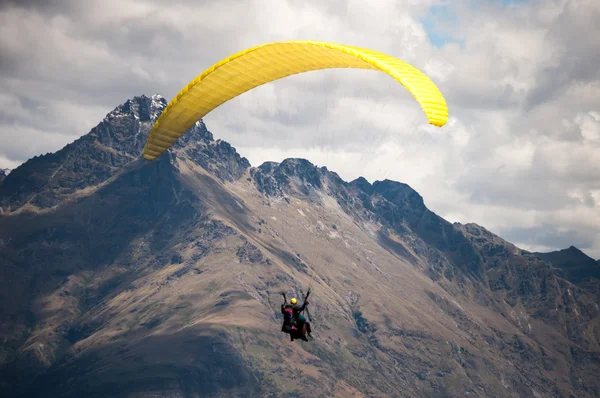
(293,301)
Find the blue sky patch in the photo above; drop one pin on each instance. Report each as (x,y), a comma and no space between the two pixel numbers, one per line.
(438,24)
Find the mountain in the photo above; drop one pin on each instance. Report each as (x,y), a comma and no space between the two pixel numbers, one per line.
(575,266)
(121,277)
(45,181)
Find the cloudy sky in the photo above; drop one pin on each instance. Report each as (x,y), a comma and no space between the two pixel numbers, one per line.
(519,155)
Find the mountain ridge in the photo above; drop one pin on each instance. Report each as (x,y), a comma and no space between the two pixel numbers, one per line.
(123,276)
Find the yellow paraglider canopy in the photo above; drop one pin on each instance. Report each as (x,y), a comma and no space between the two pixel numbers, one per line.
(258,65)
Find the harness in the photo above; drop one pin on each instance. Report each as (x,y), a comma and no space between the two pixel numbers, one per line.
(288,314)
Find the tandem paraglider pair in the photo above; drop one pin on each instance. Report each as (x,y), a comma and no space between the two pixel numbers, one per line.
(294,323)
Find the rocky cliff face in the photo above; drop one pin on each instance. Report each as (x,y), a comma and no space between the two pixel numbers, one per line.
(120,277)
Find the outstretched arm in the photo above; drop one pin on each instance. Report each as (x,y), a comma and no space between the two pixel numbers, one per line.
(305,300)
(284,303)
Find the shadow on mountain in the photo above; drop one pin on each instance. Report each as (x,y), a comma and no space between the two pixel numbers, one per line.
(193,362)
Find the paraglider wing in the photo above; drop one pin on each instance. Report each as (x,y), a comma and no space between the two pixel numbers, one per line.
(258,65)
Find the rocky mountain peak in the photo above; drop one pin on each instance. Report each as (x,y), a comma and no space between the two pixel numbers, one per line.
(276,179)
(119,139)
(574,250)
(575,265)
(44,181)
(363,185)
(140,107)
(403,198)
(399,193)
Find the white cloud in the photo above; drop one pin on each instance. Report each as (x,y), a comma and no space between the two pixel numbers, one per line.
(18,140)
